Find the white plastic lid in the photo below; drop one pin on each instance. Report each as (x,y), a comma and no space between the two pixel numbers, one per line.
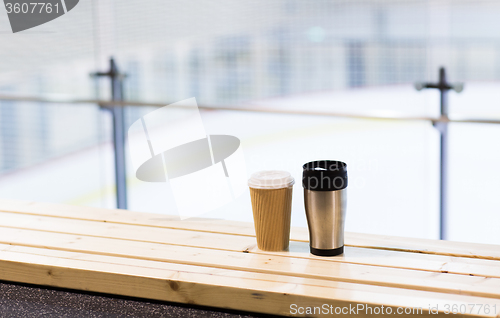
(273,179)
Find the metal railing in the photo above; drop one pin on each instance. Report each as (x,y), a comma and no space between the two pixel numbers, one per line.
(251,108)
(116,106)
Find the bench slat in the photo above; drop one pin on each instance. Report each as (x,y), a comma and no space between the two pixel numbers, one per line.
(271,264)
(256,292)
(352,255)
(216,263)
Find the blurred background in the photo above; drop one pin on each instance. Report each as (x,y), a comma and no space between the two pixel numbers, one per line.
(292,57)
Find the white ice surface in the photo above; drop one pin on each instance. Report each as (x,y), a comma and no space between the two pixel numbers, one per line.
(393,166)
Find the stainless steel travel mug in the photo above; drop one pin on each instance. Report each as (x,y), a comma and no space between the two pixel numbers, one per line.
(325,183)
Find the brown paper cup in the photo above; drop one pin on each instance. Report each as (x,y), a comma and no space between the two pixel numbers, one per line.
(271,213)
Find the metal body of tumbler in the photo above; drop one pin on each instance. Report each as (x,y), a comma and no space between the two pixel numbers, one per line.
(325,212)
(325,184)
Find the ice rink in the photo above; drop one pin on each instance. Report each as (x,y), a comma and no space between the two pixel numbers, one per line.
(393,165)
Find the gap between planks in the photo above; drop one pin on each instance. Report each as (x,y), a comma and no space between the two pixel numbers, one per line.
(271,264)
(186,238)
(401,244)
(181,283)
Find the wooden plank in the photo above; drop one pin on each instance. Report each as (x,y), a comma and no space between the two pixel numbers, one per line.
(270,264)
(448,248)
(352,255)
(425,246)
(211,262)
(272,294)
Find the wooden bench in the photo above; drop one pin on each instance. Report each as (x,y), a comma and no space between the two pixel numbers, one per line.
(216,263)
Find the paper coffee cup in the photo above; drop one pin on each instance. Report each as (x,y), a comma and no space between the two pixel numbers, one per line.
(271,194)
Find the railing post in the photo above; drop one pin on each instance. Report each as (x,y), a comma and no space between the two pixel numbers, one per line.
(117,112)
(442,126)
